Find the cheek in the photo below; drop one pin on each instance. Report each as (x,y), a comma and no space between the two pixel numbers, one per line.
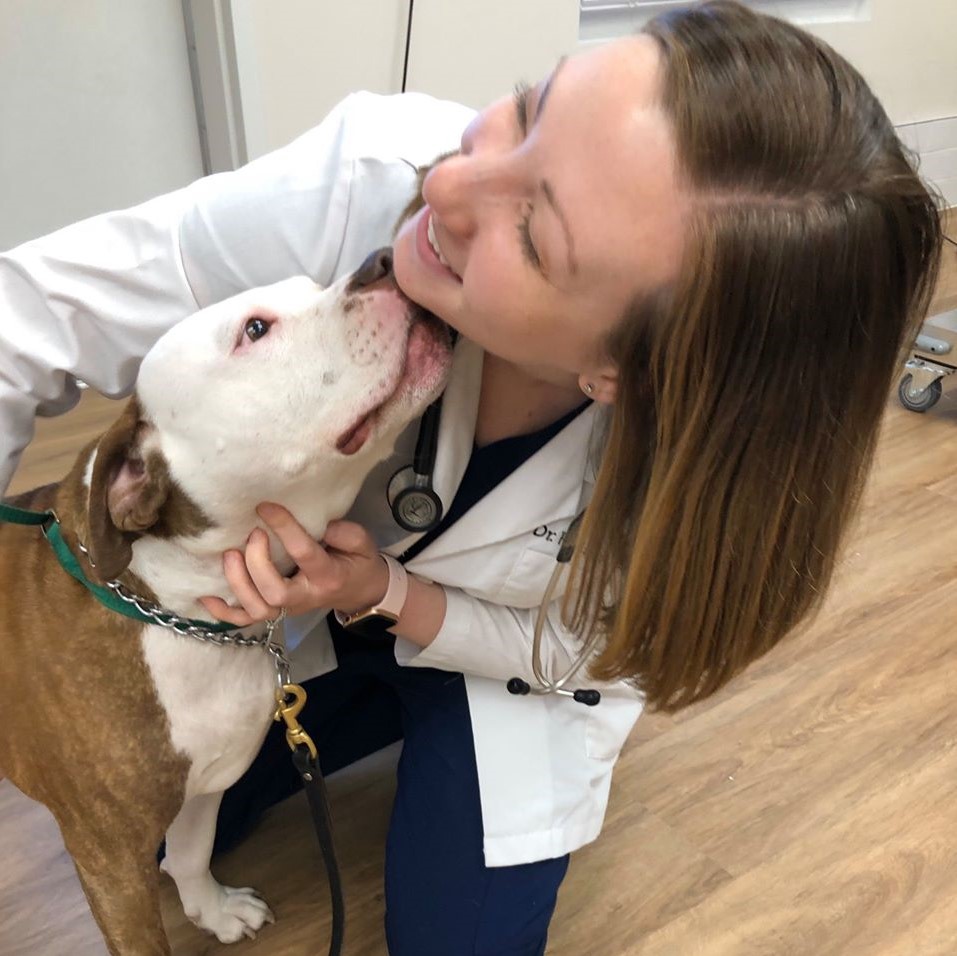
(506,316)
(496,276)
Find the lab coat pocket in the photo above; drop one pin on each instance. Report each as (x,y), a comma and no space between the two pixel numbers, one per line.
(525,585)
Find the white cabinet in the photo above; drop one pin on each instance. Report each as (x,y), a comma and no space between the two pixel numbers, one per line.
(96,110)
(474,51)
(296,59)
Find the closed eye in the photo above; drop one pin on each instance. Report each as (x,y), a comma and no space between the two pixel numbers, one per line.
(528,247)
(520,97)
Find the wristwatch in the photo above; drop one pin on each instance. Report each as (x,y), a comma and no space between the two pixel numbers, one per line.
(381,616)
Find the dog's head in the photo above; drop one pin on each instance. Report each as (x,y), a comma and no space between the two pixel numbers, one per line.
(288,393)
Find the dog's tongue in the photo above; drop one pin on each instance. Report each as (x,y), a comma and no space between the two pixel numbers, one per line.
(356,437)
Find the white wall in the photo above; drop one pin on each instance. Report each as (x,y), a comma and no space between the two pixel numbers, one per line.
(96,110)
(297,58)
(907,51)
(474,51)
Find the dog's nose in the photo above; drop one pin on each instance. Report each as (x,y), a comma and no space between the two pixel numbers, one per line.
(378,265)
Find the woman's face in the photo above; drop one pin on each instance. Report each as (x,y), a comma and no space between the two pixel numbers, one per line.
(561,207)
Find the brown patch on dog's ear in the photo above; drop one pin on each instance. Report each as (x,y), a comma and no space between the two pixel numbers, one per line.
(417,201)
(127,491)
(180,516)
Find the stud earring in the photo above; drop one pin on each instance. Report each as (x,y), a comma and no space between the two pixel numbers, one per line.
(588,388)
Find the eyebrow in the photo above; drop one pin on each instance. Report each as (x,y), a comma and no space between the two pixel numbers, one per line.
(541,100)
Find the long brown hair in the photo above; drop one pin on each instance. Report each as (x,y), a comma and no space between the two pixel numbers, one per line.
(751,391)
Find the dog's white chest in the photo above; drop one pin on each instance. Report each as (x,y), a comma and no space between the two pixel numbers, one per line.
(219,701)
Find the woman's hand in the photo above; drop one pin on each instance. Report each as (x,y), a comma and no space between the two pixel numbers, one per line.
(344,571)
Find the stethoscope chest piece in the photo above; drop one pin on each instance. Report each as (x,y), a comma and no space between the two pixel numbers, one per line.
(415,505)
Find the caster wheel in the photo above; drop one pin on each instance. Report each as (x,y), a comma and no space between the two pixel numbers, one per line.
(919,401)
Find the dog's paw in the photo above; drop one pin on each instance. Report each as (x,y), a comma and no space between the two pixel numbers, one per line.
(233,914)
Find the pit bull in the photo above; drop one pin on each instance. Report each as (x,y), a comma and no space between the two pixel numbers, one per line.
(126,731)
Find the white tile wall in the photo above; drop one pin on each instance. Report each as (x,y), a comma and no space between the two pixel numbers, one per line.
(936,143)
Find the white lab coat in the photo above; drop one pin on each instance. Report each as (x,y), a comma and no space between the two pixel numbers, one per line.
(87,303)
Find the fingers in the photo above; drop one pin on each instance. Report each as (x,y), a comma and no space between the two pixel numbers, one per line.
(223,612)
(256,584)
(274,590)
(243,586)
(323,577)
(310,557)
(349,537)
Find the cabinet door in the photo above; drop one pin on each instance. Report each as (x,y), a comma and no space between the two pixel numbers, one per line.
(296,59)
(269,71)
(96,110)
(474,51)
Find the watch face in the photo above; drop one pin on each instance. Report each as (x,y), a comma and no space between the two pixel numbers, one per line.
(385,617)
(371,625)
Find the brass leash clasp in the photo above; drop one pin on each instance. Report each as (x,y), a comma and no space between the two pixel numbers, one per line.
(288,710)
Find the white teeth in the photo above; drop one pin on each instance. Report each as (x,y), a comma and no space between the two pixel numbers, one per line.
(433,242)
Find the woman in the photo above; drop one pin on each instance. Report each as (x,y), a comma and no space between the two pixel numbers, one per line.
(712,233)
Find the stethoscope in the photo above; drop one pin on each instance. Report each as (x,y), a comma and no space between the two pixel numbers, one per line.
(417,507)
(415,504)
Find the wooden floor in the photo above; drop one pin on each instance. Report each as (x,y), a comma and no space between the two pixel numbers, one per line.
(808,810)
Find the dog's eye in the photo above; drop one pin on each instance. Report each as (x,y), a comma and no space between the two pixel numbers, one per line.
(256,328)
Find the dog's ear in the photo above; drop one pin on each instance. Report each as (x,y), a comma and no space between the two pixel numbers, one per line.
(128,488)
(417,201)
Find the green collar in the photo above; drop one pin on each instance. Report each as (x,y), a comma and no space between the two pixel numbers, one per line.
(49,523)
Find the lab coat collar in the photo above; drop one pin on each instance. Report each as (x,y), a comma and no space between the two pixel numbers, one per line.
(546,487)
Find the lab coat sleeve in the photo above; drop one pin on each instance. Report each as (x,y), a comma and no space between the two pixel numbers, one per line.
(87,302)
(492,640)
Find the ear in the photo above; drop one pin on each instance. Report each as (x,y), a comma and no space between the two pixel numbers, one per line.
(128,488)
(604,382)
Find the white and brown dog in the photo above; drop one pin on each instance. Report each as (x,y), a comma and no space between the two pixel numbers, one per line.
(129,732)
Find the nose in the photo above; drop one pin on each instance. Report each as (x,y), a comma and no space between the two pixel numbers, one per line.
(480,178)
(377,266)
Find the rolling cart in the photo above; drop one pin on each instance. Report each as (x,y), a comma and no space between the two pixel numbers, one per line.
(934,357)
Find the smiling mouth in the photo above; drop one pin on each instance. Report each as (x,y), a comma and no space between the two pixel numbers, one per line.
(353,439)
(429,249)
(434,243)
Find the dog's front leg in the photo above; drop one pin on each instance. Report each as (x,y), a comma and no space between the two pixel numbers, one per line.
(122,886)
(230,914)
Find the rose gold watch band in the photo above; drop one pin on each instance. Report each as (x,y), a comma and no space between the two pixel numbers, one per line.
(389,609)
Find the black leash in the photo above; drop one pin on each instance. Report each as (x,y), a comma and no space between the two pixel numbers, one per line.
(315,786)
(290,701)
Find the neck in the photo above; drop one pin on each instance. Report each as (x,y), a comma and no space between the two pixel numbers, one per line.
(518,400)
(181,570)
(174,571)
